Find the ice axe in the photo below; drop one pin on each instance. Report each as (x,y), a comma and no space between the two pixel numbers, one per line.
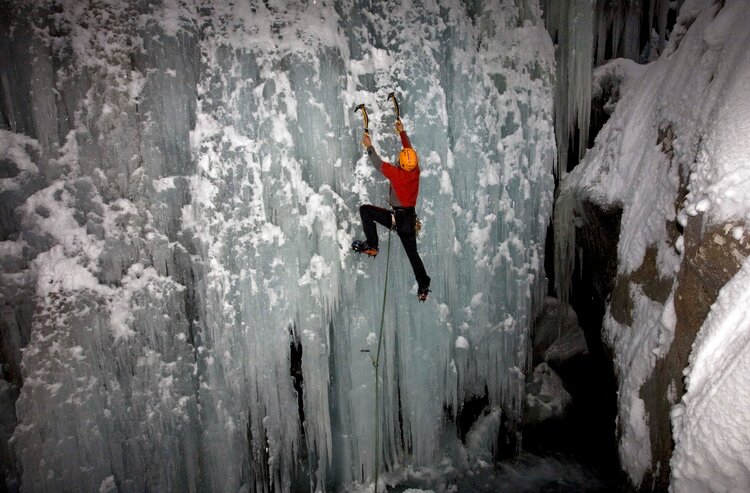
(392,96)
(364,115)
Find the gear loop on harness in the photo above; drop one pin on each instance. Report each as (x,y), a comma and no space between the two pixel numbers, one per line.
(394,224)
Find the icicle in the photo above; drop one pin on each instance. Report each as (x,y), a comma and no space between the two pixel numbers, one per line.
(619,28)
(570,24)
(565,239)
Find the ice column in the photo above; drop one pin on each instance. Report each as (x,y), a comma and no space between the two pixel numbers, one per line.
(571,26)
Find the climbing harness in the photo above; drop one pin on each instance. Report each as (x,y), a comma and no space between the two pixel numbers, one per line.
(417,222)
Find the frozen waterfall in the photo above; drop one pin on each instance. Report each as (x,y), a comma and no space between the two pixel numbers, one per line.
(180,185)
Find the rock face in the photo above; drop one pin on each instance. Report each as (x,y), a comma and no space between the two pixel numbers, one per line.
(592,285)
(556,343)
(557,337)
(570,402)
(712,257)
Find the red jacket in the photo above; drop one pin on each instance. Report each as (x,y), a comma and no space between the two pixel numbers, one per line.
(405,183)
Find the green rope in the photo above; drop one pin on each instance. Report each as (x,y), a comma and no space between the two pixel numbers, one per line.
(376,364)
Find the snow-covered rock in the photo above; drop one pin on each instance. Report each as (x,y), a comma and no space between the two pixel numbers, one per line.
(557,336)
(675,158)
(546,396)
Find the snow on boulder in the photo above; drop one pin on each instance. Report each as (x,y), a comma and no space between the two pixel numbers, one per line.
(546,396)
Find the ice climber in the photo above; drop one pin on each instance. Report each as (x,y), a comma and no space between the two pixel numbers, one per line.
(403,197)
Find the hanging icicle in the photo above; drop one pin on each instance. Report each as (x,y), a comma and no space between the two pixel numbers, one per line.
(571,26)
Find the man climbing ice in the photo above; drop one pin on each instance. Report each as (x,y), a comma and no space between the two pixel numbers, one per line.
(404,190)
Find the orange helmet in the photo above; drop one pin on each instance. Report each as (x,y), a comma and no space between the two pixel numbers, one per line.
(408,159)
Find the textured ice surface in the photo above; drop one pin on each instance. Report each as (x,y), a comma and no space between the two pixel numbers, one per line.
(186,183)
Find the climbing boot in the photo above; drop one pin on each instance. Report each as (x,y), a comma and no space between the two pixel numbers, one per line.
(422,294)
(364,247)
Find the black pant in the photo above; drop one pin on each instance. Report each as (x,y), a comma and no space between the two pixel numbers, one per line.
(406,220)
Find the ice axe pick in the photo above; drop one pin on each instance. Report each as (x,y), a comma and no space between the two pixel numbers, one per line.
(392,96)
(364,115)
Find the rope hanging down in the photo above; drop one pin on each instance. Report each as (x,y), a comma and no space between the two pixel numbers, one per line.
(376,364)
(376,359)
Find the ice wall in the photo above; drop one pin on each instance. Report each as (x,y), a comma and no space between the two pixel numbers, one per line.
(182,184)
